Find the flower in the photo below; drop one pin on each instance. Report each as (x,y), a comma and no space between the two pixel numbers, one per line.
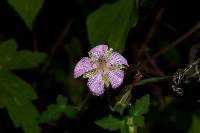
(103,66)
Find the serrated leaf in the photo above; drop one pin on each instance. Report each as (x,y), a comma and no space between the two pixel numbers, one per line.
(70,111)
(15,95)
(111,123)
(7,51)
(26,59)
(61,100)
(195,127)
(54,111)
(111,23)
(27,10)
(12,60)
(141,106)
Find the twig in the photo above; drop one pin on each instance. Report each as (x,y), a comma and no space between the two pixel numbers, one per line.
(177,41)
(56,46)
(148,39)
(152,31)
(154,65)
(193,52)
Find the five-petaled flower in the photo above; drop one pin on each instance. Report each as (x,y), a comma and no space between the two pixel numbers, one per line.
(102,66)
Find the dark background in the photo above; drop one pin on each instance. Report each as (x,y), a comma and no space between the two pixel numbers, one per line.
(177,17)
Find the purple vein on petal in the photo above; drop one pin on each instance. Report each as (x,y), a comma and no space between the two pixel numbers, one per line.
(84,65)
(118,59)
(96,84)
(99,50)
(116,78)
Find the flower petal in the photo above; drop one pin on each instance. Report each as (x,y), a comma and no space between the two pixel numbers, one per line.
(98,51)
(84,65)
(118,59)
(116,78)
(96,84)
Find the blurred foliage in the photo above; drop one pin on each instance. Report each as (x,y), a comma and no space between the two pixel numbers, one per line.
(27,9)
(147,32)
(54,111)
(111,23)
(110,123)
(12,59)
(15,93)
(141,107)
(129,122)
(195,127)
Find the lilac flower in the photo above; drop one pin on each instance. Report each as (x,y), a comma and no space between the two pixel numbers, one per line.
(102,66)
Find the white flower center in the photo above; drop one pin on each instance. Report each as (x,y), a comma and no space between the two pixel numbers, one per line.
(102,65)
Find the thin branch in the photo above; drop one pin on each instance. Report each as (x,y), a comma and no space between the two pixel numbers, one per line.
(177,41)
(154,65)
(55,46)
(152,31)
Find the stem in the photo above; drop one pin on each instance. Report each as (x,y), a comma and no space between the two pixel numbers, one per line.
(152,80)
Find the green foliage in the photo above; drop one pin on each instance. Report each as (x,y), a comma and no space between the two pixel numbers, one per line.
(27,10)
(141,107)
(134,118)
(124,128)
(139,120)
(26,59)
(15,93)
(111,23)
(195,127)
(111,123)
(7,51)
(54,111)
(13,60)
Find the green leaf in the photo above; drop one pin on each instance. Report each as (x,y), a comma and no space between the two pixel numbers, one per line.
(12,60)
(27,10)
(26,59)
(111,123)
(55,111)
(124,128)
(70,111)
(141,106)
(7,51)
(195,127)
(61,100)
(111,23)
(15,95)
(138,120)
(52,113)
